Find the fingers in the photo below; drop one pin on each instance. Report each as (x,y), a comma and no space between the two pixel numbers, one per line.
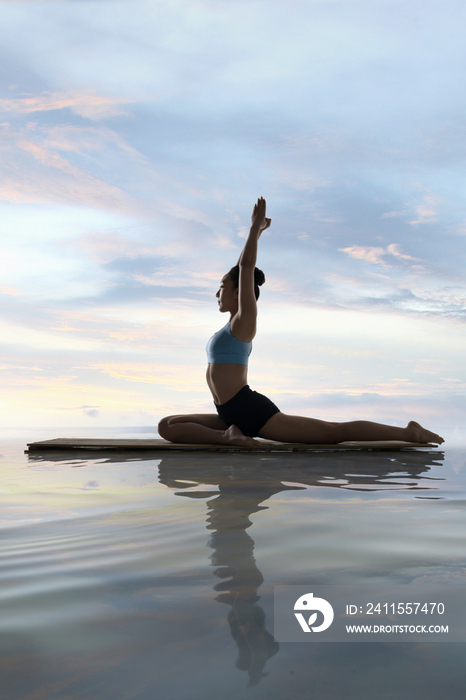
(259,208)
(261,204)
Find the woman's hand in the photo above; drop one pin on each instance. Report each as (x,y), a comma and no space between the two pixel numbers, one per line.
(258,218)
(248,255)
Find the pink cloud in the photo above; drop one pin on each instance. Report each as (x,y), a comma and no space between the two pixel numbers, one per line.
(32,171)
(87,104)
(376,255)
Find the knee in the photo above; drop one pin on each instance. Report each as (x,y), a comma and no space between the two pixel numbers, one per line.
(164,427)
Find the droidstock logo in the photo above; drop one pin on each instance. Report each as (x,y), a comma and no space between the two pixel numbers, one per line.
(308,603)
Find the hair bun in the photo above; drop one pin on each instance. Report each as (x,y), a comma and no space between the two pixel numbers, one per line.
(259,277)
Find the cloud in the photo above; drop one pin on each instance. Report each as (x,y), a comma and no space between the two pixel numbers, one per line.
(392,214)
(394,249)
(90,485)
(426,211)
(368,253)
(5,289)
(178,378)
(31,170)
(91,412)
(377,255)
(89,105)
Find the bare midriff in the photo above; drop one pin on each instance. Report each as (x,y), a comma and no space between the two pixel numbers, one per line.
(225,380)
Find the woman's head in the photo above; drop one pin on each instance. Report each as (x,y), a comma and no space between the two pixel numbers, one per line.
(259,279)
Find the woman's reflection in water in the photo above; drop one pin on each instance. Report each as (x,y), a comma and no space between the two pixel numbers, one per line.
(233,555)
(244,482)
(241,489)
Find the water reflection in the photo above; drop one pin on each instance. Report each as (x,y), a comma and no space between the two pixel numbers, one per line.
(363,470)
(243,485)
(235,486)
(228,518)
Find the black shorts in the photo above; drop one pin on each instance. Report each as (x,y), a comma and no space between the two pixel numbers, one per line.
(249,410)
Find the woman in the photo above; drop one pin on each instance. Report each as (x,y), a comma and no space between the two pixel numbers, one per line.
(243,414)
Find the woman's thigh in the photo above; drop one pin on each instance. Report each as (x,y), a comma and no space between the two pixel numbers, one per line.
(285,428)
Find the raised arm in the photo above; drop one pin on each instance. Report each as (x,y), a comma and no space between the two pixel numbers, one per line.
(243,325)
(259,223)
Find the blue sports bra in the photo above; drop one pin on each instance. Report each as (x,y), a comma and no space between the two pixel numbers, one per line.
(224,347)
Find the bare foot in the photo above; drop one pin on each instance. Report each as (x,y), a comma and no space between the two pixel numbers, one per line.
(416,433)
(234,436)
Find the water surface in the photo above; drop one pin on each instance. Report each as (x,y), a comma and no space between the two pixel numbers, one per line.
(148,575)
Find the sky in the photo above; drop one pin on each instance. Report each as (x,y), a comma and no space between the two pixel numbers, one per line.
(136,136)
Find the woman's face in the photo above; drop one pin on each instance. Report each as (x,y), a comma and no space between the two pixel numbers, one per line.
(227,295)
